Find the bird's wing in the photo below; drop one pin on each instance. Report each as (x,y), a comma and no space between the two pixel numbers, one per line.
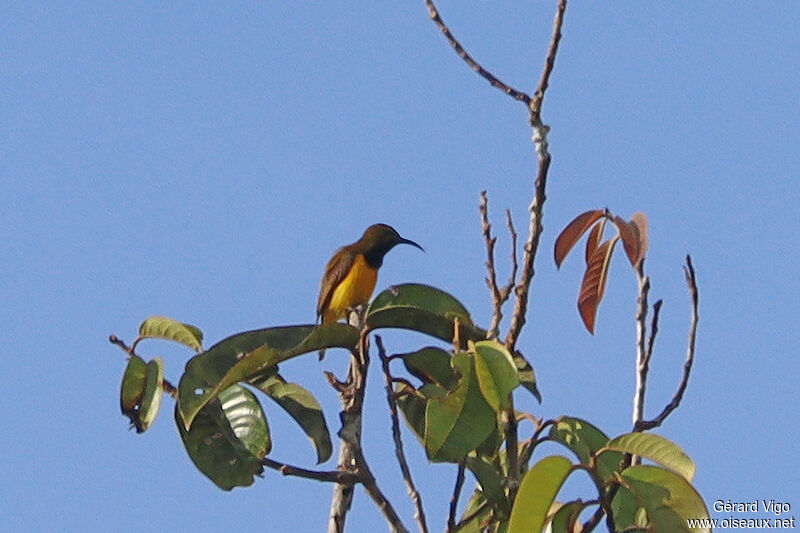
(335,271)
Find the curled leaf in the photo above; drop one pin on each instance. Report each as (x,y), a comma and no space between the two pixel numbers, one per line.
(634,237)
(161,327)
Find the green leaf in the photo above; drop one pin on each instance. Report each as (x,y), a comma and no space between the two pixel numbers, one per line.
(161,327)
(527,377)
(667,498)
(496,373)
(248,355)
(424,309)
(483,518)
(656,448)
(132,388)
(431,365)
(563,520)
(304,408)
(228,439)
(460,421)
(538,490)
(490,477)
(153,392)
(586,440)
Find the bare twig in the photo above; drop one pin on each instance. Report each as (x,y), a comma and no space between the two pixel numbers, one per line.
(550,61)
(371,486)
(642,361)
(451,517)
(499,295)
(413,493)
(334,476)
(537,204)
(351,394)
(351,456)
(691,283)
(512,279)
(474,65)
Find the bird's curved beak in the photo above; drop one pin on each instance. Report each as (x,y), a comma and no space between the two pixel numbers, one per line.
(412,243)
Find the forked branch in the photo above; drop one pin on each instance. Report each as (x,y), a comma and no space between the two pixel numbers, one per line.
(691,283)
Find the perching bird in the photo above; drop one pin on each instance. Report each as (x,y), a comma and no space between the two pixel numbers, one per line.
(352,272)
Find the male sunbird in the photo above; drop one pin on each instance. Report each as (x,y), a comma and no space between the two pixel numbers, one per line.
(352,272)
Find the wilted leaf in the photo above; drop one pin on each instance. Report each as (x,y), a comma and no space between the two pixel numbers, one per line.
(538,490)
(424,309)
(496,373)
(431,365)
(303,407)
(247,355)
(573,232)
(656,448)
(228,438)
(594,283)
(460,421)
(161,327)
(586,440)
(667,498)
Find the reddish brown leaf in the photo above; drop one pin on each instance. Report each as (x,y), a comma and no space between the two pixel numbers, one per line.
(593,241)
(630,239)
(640,222)
(573,232)
(594,282)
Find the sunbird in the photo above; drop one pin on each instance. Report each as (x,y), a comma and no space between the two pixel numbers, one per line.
(352,272)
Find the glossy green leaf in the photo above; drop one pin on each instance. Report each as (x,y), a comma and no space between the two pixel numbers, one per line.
(132,388)
(161,327)
(490,478)
(303,407)
(228,438)
(460,421)
(247,355)
(526,375)
(153,392)
(496,373)
(656,448)
(538,490)
(585,440)
(424,309)
(667,498)
(564,520)
(431,365)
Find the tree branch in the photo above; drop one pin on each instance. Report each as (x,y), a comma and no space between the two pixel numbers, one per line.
(499,295)
(642,361)
(415,496)
(474,65)
(334,476)
(537,204)
(451,517)
(351,394)
(691,282)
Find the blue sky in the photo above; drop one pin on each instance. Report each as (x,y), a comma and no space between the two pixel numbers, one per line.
(204,162)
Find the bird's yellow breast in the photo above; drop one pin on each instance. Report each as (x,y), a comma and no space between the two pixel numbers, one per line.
(354,290)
